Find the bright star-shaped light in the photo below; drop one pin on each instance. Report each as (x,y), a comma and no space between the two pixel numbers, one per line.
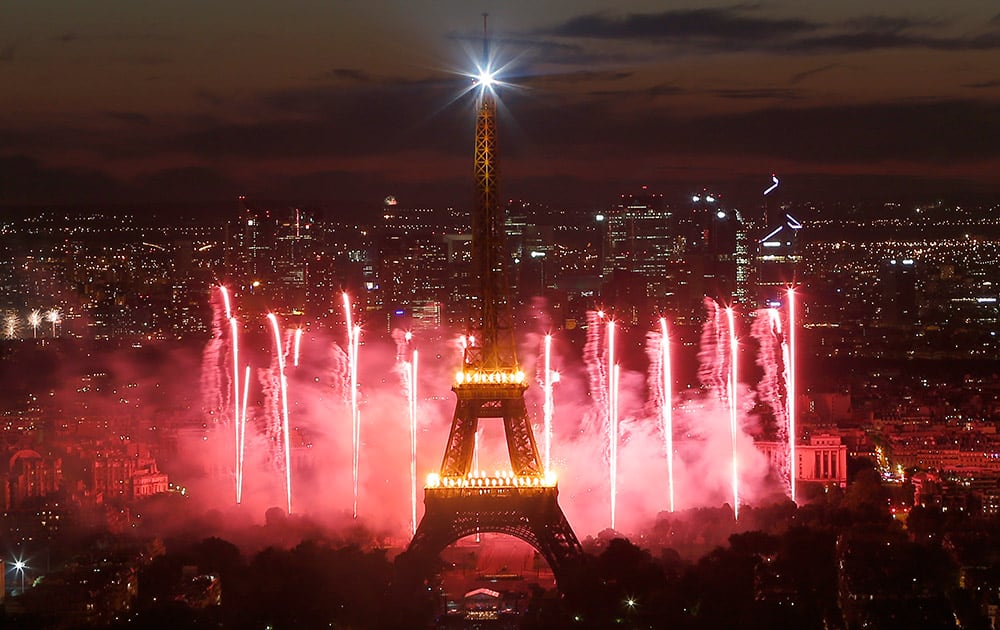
(485,78)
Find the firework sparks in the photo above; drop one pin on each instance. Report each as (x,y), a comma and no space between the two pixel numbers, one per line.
(413,438)
(296,346)
(35,320)
(790,389)
(733,420)
(548,402)
(283,381)
(613,378)
(53,318)
(353,336)
(666,407)
(234,340)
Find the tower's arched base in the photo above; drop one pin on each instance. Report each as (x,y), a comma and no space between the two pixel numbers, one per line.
(530,514)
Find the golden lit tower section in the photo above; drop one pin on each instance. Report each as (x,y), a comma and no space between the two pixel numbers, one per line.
(490,321)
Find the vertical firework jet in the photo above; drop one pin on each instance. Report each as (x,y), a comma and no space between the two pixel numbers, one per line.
(407,370)
(283,384)
(733,421)
(35,320)
(234,339)
(242,440)
(413,439)
(353,335)
(213,391)
(53,318)
(790,390)
(666,406)
(295,347)
(613,375)
(547,403)
(10,326)
(225,300)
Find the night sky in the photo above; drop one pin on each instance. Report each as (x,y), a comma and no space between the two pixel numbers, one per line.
(344,102)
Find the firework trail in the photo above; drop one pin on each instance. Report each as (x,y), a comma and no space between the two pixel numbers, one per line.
(549,378)
(614,372)
(212,389)
(235,351)
(296,345)
(283,399)
(35,320)
(712,352)
(661,387)
(227,305)
(353,339)
(413,439)
(10,326)
(789,351)
(407,370)
(597,378)
(733,410)
(242,439)
(766,330)
(53,318)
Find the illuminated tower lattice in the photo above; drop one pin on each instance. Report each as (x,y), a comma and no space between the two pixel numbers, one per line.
(458,501)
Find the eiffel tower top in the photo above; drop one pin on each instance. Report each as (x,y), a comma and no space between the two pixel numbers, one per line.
(490,345)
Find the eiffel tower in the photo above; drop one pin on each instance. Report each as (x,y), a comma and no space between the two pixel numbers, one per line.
(459,501)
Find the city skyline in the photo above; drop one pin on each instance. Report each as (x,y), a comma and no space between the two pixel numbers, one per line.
(346,104)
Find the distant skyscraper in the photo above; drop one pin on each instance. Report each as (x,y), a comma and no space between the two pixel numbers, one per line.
(533,252)
(412,265)
(777,260)
(640,243)
(712,247)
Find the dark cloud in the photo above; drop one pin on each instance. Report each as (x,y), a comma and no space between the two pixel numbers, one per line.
(875,40)
(187,183)
(916,132)
(149,60)
(737,29)
(583,76)
(210,97)
(24,180)
(525,44)
(927,132)
(664,89)
(66,38)
(349,74)
(887,24)
(983,84)
(722,24)
(133,118)
(655,91)
(755,93)
(323,121)
(801,76)
(616,135)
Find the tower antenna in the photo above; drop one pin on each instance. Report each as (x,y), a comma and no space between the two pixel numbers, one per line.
(486,42)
